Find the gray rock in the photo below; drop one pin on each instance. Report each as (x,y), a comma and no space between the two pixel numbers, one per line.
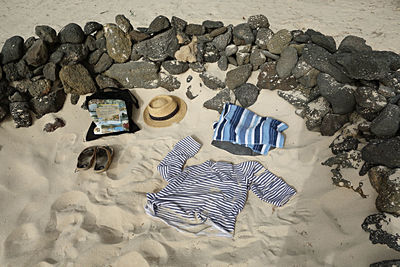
(92,27)
(211,53)
(232,61)
(392,80)
(270,55)
(77,80)
(103,64)
(71,33)
(194,29)
(223,63)
(35,88)
(37,54)
(197,67)
(378,176)
(246,94)
(238,76)
(95,56)
(216,32)
(90,43)
(295,97)
(353,44)
(343,144)
(159,24)
(242,58)
(159,47)
(74,99)
(323,41)
(221,41)
(106,82)
(175,67)
(243,31)
(231,50)
(245,48)
(383,152)
(50,103)
(20,114)
(388,199)
(46,33)
(71,54)
(13,49)
(123,23)
(319,58)
(118,43)
(211,81)
(169,82)
(367,97)
(301,68)
(315,111)
(340,96)
(386,91)
(178,23)
(140,74)
(331,123)
(138,36)
(101,44)
(234,148)
(268,78)
(257,58)
(386,263)
(28,43)
(56,56)
(310,79)
(218,101)
(373,65)
(189,78)
(351,159)
(17,71)
(286,62)
(258,21)
(387,123)
(135,54)
(212,25)
(263,37)
(302,38)
(383,229)
(279,41)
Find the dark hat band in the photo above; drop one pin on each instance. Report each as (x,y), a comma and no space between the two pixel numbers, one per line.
(169,116)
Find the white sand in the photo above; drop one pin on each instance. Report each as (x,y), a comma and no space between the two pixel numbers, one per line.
(51,216)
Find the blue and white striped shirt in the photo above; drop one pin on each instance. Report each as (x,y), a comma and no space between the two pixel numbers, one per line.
(206,198)
(243,127)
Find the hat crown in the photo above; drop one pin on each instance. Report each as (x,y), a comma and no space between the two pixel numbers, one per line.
(162,106)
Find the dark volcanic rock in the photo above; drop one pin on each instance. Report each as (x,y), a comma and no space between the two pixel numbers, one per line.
(246,94)
(340,96)
(319,58)
(332,123)
(70,54)
(178,23)
(13,49)
(138,36)
(258,21)
(197,67)
(322,40)
(382,229)
(71,33)
(159,47)
(279,41)
(35,88)
(46,33)
(90,43)
(37,54)
(223,63)
(231,50)
(343,144)
(300,96)
(211,25)
(50,103)
(194,29)
(243,31)
(238,76)
(268,78)
(175,67)
(106,82)
(286,62)
(211,81)
(222,41)
(383,152)
(74,99)
(95,56)
(392,80)
(242,58)
(19,109)
(387,263)
(77,80)
(103,64)
(367,97)
(263,36)
(169,82)
(159,24)
(140,74)
(211,53)
(123,23)
(118,43)
(373,65)
(28,43)
(217,102)
(387,123)
(92,27)
(302,38)
(315,111)
(257,58)
(353,43)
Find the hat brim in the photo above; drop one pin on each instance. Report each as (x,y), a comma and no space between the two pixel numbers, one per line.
(165,123)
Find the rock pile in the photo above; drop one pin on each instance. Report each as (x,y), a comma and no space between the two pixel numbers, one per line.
(349,88)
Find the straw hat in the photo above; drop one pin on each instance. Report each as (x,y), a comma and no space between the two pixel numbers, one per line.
(164,110)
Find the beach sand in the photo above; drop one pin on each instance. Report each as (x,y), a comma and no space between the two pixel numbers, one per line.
(51,216)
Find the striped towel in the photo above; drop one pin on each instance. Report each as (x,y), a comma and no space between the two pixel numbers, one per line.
(243,127)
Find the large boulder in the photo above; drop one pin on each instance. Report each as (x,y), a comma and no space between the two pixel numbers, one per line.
(238,76)
(13,49)
(383,152)
(77,80)
(140,74)
(118,43)
(387,123)
(71,33)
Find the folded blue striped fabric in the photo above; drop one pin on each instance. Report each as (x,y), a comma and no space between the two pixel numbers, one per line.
(243,127)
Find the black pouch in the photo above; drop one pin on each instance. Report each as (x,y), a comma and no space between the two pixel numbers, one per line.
(111,111)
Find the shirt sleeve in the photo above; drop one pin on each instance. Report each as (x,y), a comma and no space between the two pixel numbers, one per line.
(272,189)
(172,164)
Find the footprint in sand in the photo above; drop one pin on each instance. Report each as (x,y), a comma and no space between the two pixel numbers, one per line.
(64,147)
